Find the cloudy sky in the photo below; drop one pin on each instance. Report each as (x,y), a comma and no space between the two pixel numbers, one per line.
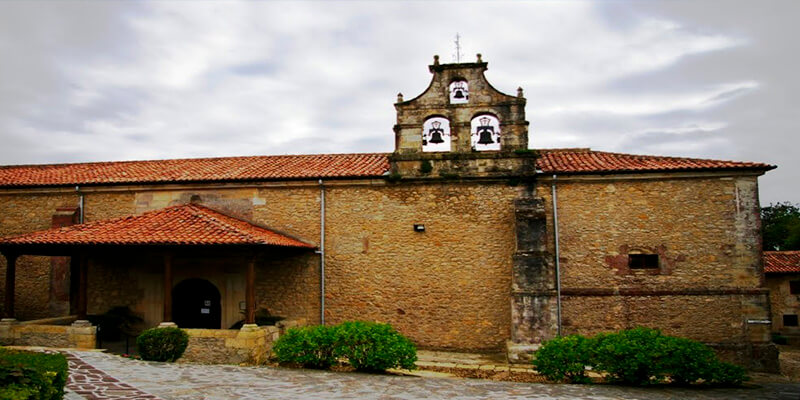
(91,81)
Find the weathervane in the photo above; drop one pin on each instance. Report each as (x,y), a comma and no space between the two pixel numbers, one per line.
(458,48)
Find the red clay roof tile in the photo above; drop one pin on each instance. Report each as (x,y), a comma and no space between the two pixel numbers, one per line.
(198,170)
(256,168)
(187,224)
(781,261)
(589,161)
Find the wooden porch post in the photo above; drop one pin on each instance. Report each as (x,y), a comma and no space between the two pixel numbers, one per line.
(250,293)
(83,271)
(11,267)
(167,288)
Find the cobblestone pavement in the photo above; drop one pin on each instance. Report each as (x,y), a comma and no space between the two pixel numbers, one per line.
(199,382)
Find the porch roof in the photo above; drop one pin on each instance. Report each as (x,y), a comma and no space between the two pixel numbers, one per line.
(181,225)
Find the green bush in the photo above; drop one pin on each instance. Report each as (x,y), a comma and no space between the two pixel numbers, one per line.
(631,356)
(35,376)
(162,344)
(727,374)
(311,346)
(367,346)
(636,356)
(370,346)
(686,361)
(564,358)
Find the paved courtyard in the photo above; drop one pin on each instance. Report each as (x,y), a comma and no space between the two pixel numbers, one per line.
(95,375)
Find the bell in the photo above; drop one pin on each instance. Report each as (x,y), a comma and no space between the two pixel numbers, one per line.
(436,135)
(485,134)
(459,95)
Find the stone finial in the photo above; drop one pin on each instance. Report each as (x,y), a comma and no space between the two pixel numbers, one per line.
(519,91)
(400,97)
(436,59)
(479,58)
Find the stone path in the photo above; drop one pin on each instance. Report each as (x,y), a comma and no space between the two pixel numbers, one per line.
(146,380)
(90,383)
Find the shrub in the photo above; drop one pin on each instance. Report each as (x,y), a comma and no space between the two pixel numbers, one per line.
(727,374)
(686,361)
(162,344)
(312,347)
(28,375)
(630,356)
(564,358)
(367,346)
(370,346)
(637,356)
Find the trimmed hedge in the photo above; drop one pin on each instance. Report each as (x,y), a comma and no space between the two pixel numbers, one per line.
(162,344)
(28,375)
(367,346)
(638,356)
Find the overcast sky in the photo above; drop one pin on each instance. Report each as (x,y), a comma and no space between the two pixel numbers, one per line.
(92,81)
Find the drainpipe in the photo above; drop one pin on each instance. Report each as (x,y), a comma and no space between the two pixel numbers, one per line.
(558,267)
(321,253)
(80,204)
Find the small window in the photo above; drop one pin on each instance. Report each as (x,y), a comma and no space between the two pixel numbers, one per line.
(790,320)
(642,261)
(794,287)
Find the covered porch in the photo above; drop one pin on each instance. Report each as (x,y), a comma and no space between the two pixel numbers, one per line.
(185,265)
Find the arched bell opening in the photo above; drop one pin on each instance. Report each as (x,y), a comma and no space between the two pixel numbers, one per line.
(436,134)
(196,304)
(485,132)
(459,91)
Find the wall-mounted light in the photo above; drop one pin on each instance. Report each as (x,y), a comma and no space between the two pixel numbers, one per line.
(419,228)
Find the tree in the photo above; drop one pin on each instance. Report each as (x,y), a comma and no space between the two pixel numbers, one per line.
(781,226)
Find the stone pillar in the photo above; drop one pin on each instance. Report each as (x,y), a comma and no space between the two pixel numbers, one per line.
(167,315)
(250,292)
(83,271)
(534,313)
(7,331)
(11,271)
(82,335)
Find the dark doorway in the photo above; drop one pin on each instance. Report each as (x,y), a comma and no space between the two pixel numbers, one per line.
(196,304)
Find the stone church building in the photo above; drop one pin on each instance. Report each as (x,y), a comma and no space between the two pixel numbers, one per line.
(463,238)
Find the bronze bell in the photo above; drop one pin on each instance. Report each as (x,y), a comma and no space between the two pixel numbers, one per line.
(436,133)
(459,95)
(485,134)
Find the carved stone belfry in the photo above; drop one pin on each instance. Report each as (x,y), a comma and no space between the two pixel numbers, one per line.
(486,132)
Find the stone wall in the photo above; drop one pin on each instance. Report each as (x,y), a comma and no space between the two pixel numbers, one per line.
(783,302)
(78,335)
(447,287)
(705,231)
(21,213)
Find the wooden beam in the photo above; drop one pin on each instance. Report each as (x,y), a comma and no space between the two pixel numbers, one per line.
(83,272)
(250,293)
(167,288)
(11,272)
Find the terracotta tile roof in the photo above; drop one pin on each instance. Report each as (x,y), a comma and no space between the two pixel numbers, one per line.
(256,168)
(187,224)
(590,161)
(781,261)
(198,170)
